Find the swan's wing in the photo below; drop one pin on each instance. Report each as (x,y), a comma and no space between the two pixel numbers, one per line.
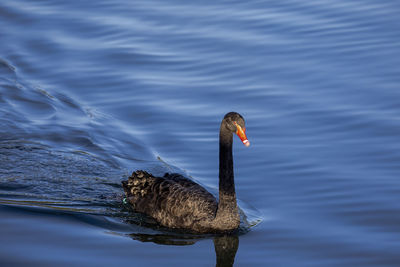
(184,182)
(173,200)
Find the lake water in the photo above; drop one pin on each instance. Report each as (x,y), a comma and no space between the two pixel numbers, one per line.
(91,91)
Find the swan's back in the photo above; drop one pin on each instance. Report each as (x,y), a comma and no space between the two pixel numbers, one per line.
(173,200)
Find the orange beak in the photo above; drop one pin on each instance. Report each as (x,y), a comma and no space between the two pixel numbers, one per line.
(241,132)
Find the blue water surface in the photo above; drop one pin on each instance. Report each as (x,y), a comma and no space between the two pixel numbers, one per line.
(92,90)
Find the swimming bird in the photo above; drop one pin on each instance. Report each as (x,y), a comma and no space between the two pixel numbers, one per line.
(175,201)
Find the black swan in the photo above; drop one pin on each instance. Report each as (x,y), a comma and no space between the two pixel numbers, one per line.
(177,202)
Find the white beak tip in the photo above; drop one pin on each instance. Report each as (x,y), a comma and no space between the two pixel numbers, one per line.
(246,143)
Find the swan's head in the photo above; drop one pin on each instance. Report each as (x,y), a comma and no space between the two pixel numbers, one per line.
(235,122)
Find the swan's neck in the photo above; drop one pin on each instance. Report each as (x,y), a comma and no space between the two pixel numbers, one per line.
(227,206)
(226,180)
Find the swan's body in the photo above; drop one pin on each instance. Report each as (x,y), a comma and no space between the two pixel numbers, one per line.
(177,202)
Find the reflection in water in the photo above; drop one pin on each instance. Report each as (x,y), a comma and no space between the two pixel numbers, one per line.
(162,239)
(225,246)
(225,249)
